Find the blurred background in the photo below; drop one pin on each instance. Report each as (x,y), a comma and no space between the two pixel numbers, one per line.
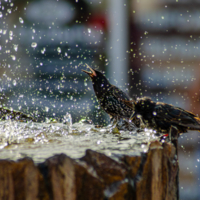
(147,48)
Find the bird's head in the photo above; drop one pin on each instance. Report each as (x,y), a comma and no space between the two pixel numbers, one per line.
(100,82)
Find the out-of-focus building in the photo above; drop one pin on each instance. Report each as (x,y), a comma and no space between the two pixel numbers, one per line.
(44,46)
(167,50)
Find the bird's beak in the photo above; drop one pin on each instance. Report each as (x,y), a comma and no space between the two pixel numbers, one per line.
(92,73)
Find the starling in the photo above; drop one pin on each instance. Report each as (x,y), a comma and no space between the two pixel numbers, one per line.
(162,117)
(113,100)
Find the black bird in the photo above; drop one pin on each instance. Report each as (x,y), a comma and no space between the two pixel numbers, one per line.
(113,100)
(162,117)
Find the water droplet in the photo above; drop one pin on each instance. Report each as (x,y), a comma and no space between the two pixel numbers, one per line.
(1,14)
(98,141)
(14,82)
(10,33)
(13,57)
(43,50)
(33,44)
(89,30)
(21,20)
(59,50)
(9,10)
(46,109)
(33,30)
(15,47)
(154,113)
(65,53)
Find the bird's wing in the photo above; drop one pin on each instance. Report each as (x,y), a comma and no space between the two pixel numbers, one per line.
(122,96)
(176,116)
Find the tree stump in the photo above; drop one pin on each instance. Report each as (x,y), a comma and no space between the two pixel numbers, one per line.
(95,176)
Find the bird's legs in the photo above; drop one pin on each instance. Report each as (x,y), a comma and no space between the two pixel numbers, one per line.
(173,134)
(173,137)
(113,120)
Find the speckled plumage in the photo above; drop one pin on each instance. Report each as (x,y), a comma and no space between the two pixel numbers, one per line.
(113,100)
(161,116)
(116,103)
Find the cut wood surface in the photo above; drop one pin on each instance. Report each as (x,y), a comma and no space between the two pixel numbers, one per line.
(95,176)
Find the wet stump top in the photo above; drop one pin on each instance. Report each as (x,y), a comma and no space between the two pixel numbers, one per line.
(119,164)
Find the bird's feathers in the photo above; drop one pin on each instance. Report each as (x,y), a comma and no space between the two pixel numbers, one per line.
(116,102)
(177,116)
(162,116)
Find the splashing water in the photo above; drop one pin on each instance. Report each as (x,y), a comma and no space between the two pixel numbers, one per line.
(42,140)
